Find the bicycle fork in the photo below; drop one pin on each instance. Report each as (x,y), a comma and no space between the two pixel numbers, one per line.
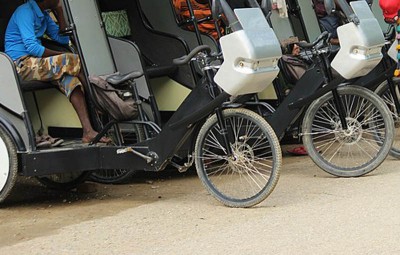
(223,131)
(340,108)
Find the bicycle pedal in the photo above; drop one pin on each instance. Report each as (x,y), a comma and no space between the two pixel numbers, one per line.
(130,149)
(125,150)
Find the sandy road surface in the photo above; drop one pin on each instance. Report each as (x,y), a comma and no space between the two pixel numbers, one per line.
(309,212)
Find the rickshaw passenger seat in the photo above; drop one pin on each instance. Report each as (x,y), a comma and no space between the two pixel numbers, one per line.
(35,85)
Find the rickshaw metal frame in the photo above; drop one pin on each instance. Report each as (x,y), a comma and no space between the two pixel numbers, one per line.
(161,148)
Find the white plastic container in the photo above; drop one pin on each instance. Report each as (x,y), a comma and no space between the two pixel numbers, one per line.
(360,45)
(250,55)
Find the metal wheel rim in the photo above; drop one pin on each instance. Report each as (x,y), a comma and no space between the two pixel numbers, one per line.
(325,134)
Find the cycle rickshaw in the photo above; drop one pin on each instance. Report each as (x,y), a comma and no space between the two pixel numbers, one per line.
(236,152)
(346,129)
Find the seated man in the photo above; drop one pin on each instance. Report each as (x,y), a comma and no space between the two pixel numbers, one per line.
(295,66)
(27,25)
(201,10)
(328,22)
(292,64)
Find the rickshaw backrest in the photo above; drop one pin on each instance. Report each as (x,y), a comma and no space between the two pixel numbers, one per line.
(158,48)
(3,26)
(167,22)
(6,10)
(92,38)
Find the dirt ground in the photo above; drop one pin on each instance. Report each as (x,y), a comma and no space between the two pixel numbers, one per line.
(310,212)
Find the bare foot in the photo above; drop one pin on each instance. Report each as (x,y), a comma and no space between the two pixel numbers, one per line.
(88,138)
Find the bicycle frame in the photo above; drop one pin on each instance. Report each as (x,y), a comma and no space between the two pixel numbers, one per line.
(183,121)
(311,84)
(182,124)
(306,90)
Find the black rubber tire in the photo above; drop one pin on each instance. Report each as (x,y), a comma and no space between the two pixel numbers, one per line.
(8,164)
(118,176)
(64,181)
(322,118)
(384,92)
(112,176)
(266,149)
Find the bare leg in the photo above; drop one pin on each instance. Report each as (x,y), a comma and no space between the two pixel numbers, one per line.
(77,99)
(334,41)
(82,79)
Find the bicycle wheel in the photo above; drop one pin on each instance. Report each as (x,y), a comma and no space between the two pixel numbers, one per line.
(64,181)
(357,150)
(8,164)
(131,133)
(250,174)
(384,92)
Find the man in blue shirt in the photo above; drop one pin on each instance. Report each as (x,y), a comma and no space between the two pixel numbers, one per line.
(25,29)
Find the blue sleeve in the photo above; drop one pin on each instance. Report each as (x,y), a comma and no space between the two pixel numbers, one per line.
(26,26)
(53,29)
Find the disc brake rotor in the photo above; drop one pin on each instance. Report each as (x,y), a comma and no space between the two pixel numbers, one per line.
(352,134)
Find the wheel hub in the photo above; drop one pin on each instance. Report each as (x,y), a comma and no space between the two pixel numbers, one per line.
(241,154)
(352,134)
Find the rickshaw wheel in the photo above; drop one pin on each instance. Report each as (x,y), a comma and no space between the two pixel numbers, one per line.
(250,173)
(64,181)
(384,92)
(8,164)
